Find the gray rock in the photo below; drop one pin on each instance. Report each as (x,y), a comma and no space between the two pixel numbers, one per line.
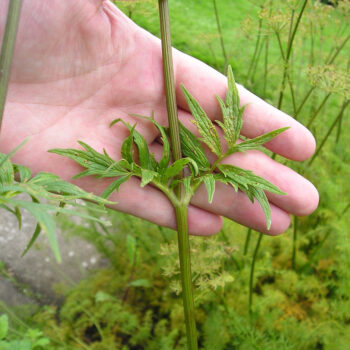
(32,278)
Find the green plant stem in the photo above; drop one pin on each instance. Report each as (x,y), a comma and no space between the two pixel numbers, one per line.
(256,63)
(252,270)
(340,122)
(181,208)
(247,240)
(295,238)
(318,109)
(255,51)
(266,62)
(340,114)
(186,279)
(222,43)
(7,49)
(302,104)
(289,51)
(169,79)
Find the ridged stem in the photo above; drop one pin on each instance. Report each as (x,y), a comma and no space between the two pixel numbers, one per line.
(247,240)
(289,51)
(181,208)
(186,276)
(252,270)
(295,238)
(222,43)
(7,49)
(318,110)
(336,120)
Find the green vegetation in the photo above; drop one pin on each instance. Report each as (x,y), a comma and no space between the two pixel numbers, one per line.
(301,279)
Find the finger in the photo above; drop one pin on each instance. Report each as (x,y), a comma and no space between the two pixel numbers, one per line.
(259,117)
(302,197)
(237,207)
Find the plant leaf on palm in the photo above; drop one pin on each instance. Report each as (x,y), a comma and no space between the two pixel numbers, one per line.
(138,161)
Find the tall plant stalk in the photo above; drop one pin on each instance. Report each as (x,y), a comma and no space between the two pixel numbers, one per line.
(247,240)
(181,207)
(289,51)
(295,239)
(257,43)
(7,49)
(252,270)
(222,43)
(336,120)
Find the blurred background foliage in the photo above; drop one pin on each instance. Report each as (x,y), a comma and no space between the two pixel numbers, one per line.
(296,294)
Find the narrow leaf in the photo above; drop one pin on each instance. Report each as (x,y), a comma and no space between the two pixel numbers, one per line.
(205,126)
(24,173)
(235,113)
(260,195)
(247,177)
(6,171)
(179,165)
(164,162)
(259,141)
(33,239)
(209,182)
(192,148)
(114,186)
(126,150)
(8,156)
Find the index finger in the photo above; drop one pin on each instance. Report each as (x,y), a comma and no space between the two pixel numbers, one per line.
(203,82)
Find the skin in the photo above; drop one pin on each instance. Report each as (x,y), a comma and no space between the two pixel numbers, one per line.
(79,64)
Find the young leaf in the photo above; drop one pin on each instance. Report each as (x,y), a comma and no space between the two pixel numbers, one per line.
(164,162)
(205,126)
(147,160)
(260,195)
(209,182)
(259,141)
(45,221)
(114,186)
(176,167)
(32,240)
(147,176)
(24,173)
(6,171)
(127,151)
(235,113)
(192,148)
(8,156)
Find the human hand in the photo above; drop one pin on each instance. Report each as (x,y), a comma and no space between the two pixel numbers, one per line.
(81,64)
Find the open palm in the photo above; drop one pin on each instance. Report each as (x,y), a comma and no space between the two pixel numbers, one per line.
(79,64)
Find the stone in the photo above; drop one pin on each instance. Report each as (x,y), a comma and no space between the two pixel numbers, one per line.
(32,278)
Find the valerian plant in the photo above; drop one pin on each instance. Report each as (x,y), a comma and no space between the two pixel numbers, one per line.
(136,159)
